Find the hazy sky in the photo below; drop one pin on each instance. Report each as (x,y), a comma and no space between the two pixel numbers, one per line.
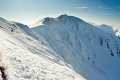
(30,11)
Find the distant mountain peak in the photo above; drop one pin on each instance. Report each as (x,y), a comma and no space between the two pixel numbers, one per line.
(62,19)
(69,19)
(48,19)
(107,28)
(63,16)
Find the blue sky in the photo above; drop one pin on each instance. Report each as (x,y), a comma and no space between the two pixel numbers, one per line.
(30,11)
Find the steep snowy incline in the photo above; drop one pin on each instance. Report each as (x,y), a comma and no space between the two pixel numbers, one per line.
(11,26)
(25,28)
(92,52)
(24,58)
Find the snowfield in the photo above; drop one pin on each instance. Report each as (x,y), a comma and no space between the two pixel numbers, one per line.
(62,48)
(24,58)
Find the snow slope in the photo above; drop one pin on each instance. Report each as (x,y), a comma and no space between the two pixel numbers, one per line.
(24,58)
(91,52)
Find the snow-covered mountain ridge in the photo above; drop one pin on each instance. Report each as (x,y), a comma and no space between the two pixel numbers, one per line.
(92,52)
(62,48)
(24,58)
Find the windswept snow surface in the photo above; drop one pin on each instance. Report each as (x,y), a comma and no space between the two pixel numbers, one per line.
(24,58)
(91,52)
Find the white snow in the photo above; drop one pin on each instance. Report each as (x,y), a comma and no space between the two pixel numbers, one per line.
(91,52)
(25,58)
(62,48)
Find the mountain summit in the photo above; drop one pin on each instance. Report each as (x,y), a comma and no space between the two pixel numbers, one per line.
(62,48)
(65,17)
(87,49)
